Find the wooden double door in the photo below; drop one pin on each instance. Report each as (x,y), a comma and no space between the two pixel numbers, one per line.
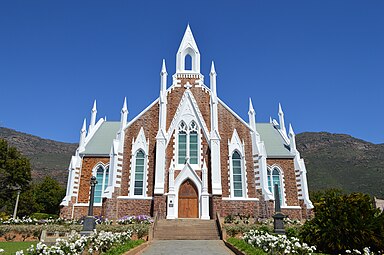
(188,200)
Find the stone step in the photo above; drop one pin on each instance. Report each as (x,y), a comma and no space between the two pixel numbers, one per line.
(186,229)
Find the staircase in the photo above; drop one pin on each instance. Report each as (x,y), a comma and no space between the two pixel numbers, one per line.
(186,229)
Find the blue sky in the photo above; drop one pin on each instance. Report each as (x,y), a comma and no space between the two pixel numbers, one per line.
(322,60)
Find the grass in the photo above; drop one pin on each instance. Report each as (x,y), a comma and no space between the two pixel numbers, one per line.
(245,247)
(12,247)
(120,249)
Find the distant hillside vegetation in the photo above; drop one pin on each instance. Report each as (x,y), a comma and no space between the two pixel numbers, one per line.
(47,157)
(342,161)
(332,160)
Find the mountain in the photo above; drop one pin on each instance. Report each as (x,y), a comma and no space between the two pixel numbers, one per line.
(342,161)
(47,157)
(332,160)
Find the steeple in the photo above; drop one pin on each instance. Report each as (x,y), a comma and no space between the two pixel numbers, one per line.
(124,114)
(292,139)
(281,120)
(188,46)
(93,116)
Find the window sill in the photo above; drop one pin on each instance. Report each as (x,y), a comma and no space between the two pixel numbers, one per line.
(240,199)
(134,198)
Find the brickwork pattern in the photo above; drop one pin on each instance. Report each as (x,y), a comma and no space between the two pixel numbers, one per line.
(85,176)
(290,186)
(227,123)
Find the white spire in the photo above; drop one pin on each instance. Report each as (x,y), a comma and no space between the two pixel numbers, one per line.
(93,116)
(124,114)
(281,120)
(188,46)
(292,139)
(212,75)
(270,119)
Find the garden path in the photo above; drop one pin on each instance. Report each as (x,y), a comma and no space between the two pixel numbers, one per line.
(187,247)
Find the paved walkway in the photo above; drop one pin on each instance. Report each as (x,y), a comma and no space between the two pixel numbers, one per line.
(187,247)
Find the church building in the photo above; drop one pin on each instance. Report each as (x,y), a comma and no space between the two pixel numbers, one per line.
(187,155)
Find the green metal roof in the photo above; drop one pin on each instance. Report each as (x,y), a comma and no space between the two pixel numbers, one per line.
(101,142)
(274,143)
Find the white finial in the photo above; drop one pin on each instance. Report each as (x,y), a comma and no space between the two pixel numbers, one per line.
(270,119)
(93,116)
(163,82)
(292,139)
(213,81)
(213,71)
(83,134)
(84,128)
(163,68)
(125,108)
(281,121)
(124,114)
(291,133)
(251,110)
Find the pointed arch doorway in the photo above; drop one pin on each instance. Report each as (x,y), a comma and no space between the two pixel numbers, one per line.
(188,200)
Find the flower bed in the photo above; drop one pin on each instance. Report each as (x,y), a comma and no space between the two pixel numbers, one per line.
(94,244)
(277,244)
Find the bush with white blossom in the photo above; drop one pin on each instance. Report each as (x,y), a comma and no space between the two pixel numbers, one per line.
(277,244)
(76,244)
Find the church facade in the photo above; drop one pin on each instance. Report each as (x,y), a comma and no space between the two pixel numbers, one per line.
(187,155)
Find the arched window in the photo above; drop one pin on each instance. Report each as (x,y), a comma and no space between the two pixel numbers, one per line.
(188,143)
(188,62)
(139,174)
(182,143)
(269,180)
(193,143)
(102,177)
(237,175)
(274,177)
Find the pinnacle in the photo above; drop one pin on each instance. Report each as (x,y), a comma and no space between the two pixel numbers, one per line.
(213,71)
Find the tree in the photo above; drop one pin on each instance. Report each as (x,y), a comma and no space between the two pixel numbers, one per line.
(15,171)
(345,222)
(48,195)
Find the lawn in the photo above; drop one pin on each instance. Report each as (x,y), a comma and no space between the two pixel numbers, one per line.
(12,247)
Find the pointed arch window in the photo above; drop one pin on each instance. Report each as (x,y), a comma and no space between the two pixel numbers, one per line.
(275,177)
(139,174)
(102,177)
(188,62)
(188,143)
(237,175)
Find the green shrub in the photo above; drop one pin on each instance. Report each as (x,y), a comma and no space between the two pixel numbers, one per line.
(43,216)
(345,222)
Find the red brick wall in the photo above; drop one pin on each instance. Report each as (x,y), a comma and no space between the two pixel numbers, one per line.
(227,123)
(85,176)
(149,122)
(290,186)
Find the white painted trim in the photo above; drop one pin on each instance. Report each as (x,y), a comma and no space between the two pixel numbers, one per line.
(141,113)
(134,198)
(290,207)
(235,114)
(282,183)
(236,145)
(239,199)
